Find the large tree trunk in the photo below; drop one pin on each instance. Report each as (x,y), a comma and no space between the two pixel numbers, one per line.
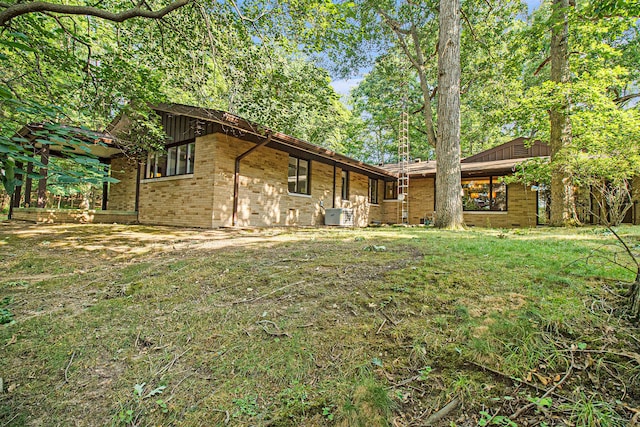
(563,211)
(448,187)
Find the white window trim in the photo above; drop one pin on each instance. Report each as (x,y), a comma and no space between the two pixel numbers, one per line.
(166,178)
(299,194)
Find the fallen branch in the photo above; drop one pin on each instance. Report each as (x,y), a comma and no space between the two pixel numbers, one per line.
(277,333)
(446,410)
(169,365)
(519,381)
(66,370)
(258,298)
(549,392)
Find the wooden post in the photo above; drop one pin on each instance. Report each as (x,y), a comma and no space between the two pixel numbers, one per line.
(27,186)
(17,195)
(42,182)
(105,186)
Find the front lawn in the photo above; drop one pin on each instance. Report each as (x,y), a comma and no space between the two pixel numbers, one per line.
(136,325)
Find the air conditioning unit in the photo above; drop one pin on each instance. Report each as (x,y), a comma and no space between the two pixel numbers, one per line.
(338,216)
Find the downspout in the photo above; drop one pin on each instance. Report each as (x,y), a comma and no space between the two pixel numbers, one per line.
(333,199)
(236,178)
(137,201)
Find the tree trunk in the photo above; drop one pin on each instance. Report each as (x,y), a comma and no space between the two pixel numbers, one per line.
(563,211)
(448,186)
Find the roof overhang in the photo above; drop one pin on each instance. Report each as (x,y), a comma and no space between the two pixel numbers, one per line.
(67,140)
(495,167)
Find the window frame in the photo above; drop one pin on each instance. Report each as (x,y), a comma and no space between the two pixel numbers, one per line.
(374,197)
(395,190)
(297,181)
(492,180)
(171,152)
(345,179)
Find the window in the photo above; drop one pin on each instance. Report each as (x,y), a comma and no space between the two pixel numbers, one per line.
(484,194)
(298,175)
(345,185)
(390,190)
(177,160)
(373,191)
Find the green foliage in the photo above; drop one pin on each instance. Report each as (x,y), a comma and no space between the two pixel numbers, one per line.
(246,406)
(495,420)
(5,313)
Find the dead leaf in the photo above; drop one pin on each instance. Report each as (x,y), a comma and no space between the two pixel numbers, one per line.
(556,378)
(544,380)
(11,388)
(13,340)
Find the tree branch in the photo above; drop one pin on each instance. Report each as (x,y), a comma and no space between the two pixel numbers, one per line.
(13,10)
(625,98)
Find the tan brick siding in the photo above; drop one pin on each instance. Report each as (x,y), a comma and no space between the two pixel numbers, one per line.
(122,195)
(421,202)
(521,207)
(521,210)
(263,197)
(182,200)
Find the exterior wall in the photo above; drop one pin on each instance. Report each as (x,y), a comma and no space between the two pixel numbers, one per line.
(57,216)
(421,202)
(364,213)
(521,207)
(263,197)
(521,211)
(122,195)
(184,200)
(422,195)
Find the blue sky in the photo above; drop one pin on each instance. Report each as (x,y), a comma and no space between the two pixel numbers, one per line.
(345,85)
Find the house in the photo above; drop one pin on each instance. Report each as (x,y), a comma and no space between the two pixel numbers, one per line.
(487,200)
(220,170)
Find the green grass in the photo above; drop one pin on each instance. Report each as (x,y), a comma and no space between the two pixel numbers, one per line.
(309,327)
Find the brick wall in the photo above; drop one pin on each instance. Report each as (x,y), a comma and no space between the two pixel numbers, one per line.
(263,197)
(184,200)
(122,195)
(521,210)
(521,207)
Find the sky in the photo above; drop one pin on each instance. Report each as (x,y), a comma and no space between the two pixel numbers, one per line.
(343,86)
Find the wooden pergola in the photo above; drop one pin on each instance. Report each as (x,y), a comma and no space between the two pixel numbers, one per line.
(94,144)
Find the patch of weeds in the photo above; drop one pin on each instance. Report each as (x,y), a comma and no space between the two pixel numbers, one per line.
(370,404)
(295,399)
(6,316)
(487,419)
(16,284)
(592,412)
(131,413)
(246,406)
(327,412)
(424,373)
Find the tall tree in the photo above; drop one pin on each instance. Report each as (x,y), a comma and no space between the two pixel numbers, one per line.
(562,195)
(448,187)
